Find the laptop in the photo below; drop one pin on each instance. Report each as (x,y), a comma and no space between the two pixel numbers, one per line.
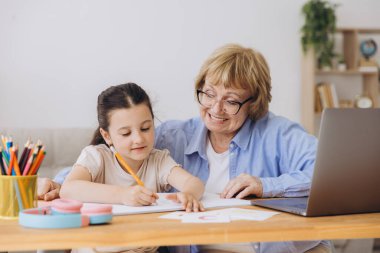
(346,178)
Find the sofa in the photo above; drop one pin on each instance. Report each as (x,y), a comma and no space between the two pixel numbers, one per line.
(63,146)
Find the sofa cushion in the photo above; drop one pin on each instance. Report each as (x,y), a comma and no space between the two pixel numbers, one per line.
(62,145)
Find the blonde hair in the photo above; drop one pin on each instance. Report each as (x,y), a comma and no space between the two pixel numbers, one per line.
(234,66)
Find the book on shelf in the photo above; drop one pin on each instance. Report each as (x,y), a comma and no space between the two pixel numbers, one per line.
(368,69)
(326,97)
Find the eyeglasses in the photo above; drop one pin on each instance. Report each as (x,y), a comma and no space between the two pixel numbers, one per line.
(230,107)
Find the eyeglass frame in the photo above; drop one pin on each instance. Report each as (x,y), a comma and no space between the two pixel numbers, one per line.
(237,102)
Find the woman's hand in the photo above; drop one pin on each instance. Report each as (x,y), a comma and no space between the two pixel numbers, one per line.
(139,196)
(242,186)
(188,201)
(47,189)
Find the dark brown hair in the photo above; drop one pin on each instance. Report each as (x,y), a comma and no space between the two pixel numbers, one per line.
(122,96)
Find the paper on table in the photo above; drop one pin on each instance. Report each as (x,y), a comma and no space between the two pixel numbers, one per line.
(209,200)
(205,217)
(245,214)
(220,215)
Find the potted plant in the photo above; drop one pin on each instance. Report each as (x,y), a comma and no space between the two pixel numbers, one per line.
(318,31)
(341,66)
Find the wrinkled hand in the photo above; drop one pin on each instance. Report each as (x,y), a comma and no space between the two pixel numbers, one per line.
(139,196)
(188,201)
(47,189)
(243,185)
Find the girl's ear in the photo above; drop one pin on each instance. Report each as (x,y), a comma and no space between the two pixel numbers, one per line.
(106,136)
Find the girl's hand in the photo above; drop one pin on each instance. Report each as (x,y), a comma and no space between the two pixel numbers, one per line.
(47,189)
(139,196)
(189,203)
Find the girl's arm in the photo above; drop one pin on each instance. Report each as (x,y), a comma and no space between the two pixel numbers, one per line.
(78,186)
(191,189)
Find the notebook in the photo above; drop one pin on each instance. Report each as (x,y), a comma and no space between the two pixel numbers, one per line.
(209,200)
(346,178)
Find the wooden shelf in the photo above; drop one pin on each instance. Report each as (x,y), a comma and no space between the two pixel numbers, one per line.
(359,30)
(345,72)
(370,79)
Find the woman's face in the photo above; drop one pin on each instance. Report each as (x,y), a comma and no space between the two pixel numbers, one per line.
(131,131)
(214,117)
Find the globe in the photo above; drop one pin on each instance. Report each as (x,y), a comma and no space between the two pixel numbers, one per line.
(368,48)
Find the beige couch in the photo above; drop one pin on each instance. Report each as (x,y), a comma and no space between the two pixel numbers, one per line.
(63,146)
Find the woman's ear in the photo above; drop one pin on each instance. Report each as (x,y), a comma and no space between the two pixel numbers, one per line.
(106,136)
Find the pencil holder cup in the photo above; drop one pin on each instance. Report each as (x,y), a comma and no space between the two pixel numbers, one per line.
(16,194)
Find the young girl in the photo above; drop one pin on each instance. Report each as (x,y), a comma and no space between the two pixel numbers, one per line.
(125,119)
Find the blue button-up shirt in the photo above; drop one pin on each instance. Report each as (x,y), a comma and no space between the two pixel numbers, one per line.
(275,149)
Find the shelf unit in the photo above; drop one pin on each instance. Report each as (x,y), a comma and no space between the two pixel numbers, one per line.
(370,79)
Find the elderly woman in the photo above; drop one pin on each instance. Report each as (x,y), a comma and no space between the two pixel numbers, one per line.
(237,147)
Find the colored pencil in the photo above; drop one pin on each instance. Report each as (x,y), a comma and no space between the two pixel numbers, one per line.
(35,171)
(11,162)
(28,154)
(27,166)
(125,166)
(3,170)
(24,153)
(16,168)
(36,161)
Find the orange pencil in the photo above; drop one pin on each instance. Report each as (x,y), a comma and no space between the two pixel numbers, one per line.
(36,161)
(39,163)
(125,166)
(15,162)
(11,162)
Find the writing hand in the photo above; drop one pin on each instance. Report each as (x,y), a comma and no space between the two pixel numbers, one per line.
(189,203)
(139,196)
(242,186)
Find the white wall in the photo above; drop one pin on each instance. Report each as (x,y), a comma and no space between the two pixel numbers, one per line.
(57,56)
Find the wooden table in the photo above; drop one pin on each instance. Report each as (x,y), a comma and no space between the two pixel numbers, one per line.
(148,230)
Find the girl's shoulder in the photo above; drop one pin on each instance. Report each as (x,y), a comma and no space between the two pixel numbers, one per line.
(159,153)
(97,150)
(161,157)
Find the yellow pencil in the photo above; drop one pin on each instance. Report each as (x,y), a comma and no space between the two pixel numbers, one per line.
(125,166)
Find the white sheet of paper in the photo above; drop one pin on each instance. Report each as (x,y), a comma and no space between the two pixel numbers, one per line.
(173,215)
(209,200)
(205,217)
(247,214)
(220,215)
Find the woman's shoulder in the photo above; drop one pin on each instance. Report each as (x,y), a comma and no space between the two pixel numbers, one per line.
(180,124)
(175,127)
(272,122)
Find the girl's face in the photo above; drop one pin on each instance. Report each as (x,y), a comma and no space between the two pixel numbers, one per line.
(131,131)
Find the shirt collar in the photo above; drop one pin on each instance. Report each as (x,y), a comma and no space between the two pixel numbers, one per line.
(198,140)
(244,135)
